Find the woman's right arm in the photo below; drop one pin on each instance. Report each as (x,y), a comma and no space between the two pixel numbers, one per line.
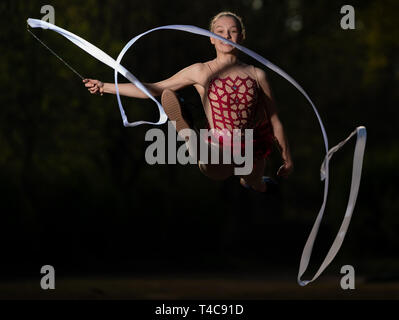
(185,77)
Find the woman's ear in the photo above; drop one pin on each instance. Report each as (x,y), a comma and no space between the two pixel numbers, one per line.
(212,40)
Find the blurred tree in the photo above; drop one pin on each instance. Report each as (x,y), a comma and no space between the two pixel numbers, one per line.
(75,180)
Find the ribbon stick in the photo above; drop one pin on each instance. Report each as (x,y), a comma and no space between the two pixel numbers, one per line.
(360,131)
(106,59)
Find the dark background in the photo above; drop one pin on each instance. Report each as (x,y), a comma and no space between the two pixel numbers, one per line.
(76,192)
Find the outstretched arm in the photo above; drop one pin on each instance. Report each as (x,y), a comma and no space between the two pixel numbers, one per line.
(278,128)
(185,77)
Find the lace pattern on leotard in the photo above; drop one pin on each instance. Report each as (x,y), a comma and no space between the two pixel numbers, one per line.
(232,102)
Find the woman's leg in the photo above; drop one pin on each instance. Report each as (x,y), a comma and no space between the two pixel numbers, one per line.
(173,109)
(216,171)
(254,179)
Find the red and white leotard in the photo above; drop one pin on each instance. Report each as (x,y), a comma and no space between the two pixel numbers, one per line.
(233,102)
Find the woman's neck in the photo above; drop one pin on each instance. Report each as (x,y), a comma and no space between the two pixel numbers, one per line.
(223,60)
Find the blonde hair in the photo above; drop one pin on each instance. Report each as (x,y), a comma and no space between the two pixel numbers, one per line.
(237,18)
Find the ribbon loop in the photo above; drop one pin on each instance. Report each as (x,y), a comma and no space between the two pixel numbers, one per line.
(361,131)
(361,135)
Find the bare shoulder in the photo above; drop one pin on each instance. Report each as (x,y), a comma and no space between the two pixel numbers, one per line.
(196,71)
(201,72)
(263,81)
(198,67)
(260,74)
(256,72)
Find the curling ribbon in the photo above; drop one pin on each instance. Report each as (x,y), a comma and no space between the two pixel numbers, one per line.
(360,131)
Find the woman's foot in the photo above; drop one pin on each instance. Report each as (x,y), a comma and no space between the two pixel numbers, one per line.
(171,105)
(265,185)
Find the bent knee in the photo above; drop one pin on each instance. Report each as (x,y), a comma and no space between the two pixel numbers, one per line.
(216,171)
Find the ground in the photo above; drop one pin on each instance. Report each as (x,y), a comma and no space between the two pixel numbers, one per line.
(197,286)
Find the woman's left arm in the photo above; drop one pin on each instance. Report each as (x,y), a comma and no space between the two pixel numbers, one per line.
(278,128)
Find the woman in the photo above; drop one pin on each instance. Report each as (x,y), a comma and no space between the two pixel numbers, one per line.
(234,96)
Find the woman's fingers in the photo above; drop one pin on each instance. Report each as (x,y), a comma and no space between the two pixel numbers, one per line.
(90,82)
(93,86)
(282,171)
(285,170)
(96,90)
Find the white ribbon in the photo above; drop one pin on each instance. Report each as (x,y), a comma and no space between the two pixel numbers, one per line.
(361,136)
(104,58)
(361,131)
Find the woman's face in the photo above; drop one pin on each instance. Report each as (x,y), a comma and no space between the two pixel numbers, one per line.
(227,28)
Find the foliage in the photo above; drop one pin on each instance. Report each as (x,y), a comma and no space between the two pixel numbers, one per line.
(75,180)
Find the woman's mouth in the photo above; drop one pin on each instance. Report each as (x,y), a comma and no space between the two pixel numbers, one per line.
(226,44)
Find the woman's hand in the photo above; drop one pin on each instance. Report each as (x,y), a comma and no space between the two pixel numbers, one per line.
(285,169)
(94,86)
